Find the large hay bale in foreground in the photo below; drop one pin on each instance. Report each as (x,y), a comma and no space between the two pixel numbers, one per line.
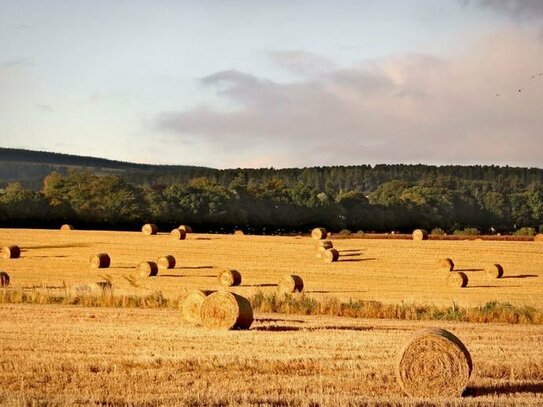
(186,228)
(224,310)
(100,261)
(11,252)
(538,237)
(192,305)
(66,227)
(434,363)
(445,264)
(178,234)
(493,271)
(457,279)
(229,278)
(291,283)
(319,233)
(420,234)
(149,229)
(330,255)
(147,269)
(4,279)
(166,262)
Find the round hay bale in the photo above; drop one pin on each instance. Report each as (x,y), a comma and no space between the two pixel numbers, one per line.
(239,232)
(147,269)
(224,310)
(11,252)
(445,264)
(457,279)
(192,305)
(100,261)
(149,229)
(291,283)
(319,233)
(178,234)
(330,255)
(327,244)
(538,237)
(493,271)
(166,262)
(320,251)
(433,363)
(420,234)
(66,227)
(4,279)
(230,278)
(186,228)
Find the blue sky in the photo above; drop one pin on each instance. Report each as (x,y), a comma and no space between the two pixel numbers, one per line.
(274,83)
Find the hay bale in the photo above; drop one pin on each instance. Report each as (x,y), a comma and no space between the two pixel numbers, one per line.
(149,229)
(186,228)
(4,279)
(493,271)
(192,305)
(178,234)
(445,264)
(229,278)
(330,255)
(457,279)
(433,363)
(420,234)
(166,262)
(224,310)
(11,252)
(320,252)
(291,283)
(538,237)
(147,269)
(66,227)
(327,244)
(100,261)
(319,233)
(239,232)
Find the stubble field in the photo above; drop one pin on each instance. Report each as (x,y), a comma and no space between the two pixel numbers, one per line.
(53,355)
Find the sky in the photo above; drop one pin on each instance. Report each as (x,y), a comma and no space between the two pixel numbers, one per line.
(276,83)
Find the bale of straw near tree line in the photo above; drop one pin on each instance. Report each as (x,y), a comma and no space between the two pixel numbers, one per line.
(166,262)
(319,233)
(66,227)
(445,264)
(149,229)
(538,237)
(147,269)
(291,283)
(457,279)
(330,255)
(11,252)
(186,228)
(192,305)
(239,232)
(420,234)
(100,261)
(4,279)
(494,271)
(178,234)
(434,363)
(229,278)
(224,310)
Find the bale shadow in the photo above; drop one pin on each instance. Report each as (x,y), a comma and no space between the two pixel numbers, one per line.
(203,238)
(186,275)
(195,267)
(356,260)
(259,285)
(493,286)
(349,260)
(342,328)
(300,321)
(505,388)
(350,254)
(44,257)
(468,270)
(522,276)
(277,328)
(334,292)
(56,246)
(351,251)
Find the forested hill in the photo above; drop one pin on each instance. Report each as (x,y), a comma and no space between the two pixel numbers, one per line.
(46,189)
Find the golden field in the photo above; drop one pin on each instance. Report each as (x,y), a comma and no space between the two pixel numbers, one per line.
(390,271)
(58,355)
(55,355)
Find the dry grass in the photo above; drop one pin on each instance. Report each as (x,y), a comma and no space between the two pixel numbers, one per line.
(73,356)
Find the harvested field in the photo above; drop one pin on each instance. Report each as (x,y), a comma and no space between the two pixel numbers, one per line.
(73,355)
(390,271)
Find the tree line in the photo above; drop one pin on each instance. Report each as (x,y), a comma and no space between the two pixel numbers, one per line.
(379,199)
